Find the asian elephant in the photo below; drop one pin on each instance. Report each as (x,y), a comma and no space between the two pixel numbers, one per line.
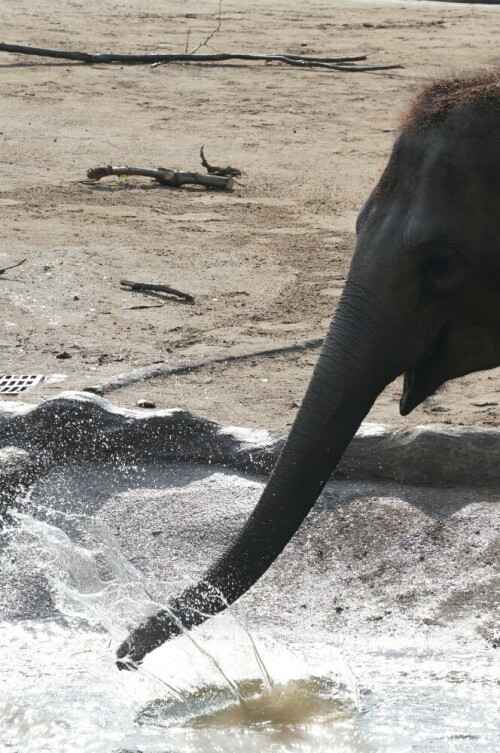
(422,298)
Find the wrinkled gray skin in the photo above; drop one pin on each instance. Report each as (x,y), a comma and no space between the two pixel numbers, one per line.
(422,299)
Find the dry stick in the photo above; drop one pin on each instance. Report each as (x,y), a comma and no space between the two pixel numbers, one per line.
(112,57)
(163,175)
(158,288)
(290,60)
(315,58)
(140,308)
(12,266)
(215,170)
(212,33)
(163,369)
(299,60)
(136,308)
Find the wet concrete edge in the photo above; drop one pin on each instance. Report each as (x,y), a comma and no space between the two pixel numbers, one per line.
(82,426)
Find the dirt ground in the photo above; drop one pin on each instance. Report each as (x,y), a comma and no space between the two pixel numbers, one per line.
(266,262)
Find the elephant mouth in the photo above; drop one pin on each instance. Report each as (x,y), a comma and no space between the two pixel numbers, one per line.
(412,394)
(424,377)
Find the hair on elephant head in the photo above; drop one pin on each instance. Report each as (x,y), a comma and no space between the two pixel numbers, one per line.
(422,298)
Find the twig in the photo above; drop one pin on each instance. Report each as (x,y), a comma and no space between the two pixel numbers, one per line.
(215,170)
(164,369)
(300,60)
(157,288)
(162,175)
(156,59)
(136,308)
(212,33)
(296,60)
(12,266)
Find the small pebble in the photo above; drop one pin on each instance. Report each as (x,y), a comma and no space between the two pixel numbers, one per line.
(62,355)
(145,404)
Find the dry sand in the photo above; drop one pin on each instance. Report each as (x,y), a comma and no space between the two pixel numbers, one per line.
(266,262)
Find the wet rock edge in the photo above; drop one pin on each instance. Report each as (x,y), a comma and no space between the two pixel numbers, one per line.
(83,426)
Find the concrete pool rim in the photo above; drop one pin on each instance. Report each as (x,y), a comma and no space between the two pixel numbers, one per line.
(77,426)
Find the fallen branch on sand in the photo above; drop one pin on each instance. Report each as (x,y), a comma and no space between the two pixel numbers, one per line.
(12,266)
(164,369)
(163,175)
(144,306)
(301,61)
(157,289)
(345,63)
(215,170)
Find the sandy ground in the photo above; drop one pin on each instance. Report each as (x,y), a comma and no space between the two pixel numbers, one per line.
(266,262)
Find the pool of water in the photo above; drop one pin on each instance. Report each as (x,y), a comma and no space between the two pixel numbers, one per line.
(60,692)
(71,591)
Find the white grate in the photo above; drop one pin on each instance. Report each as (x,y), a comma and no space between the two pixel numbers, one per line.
(14,385)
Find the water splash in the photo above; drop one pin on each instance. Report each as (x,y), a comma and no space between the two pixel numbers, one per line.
(60,691)
(93,584)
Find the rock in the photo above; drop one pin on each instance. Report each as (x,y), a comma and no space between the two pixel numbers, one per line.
(145,404)
(82,425)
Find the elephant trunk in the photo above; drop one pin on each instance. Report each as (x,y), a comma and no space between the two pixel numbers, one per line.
(356,363)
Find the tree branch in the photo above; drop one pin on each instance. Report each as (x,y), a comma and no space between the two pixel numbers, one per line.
(215,169)
(163,175)
(338,64)
(12,266)
(157,288)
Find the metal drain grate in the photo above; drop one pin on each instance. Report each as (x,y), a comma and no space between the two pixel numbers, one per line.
(13,385)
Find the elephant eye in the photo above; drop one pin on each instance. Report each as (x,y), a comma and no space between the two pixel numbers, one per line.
(438,266)
(442,267)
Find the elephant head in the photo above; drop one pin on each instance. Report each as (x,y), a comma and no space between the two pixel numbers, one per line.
(422,298)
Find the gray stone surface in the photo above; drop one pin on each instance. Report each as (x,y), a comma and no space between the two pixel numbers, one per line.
(85,426)
(372,558)
(169,490)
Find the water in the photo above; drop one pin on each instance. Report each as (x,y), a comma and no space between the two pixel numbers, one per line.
(228,686)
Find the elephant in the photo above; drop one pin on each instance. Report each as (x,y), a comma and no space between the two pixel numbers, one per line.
(421,299)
